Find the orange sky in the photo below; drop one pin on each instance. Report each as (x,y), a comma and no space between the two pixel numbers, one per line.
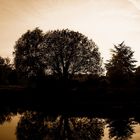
(107,22)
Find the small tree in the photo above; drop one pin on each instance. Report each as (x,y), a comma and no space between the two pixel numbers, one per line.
(67,53)
(5,70)
(121,66)
(28,54)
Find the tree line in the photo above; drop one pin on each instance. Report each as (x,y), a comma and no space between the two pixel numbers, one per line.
(67,55)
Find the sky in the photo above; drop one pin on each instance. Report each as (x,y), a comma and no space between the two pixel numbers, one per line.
(106,22)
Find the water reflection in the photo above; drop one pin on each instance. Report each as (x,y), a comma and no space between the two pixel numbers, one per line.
(5,116)
(37,126)
(121,129)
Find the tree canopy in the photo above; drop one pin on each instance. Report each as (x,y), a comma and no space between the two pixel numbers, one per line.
(69,52)
(27,54)
(121,66)
(59,52)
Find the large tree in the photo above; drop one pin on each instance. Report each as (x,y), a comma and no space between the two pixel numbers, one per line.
(121,66)
(68,52)
(27,54)
(59,52)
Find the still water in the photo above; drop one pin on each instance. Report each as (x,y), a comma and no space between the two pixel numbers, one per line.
(33,125)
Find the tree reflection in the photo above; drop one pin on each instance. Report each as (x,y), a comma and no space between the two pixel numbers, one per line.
(38,126)
(5,116)
(87,128)
(121,129)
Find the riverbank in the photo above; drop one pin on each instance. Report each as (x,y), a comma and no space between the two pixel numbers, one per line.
(81,100)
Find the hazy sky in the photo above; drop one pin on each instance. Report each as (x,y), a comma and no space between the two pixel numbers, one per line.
(107,22)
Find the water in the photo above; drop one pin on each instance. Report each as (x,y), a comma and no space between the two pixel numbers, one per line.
(37,125)
(8,128)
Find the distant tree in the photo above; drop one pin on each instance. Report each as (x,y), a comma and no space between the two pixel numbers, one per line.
(121,66)
(68,52)
(5,70)
(28,55)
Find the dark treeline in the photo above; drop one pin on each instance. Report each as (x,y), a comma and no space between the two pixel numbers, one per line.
(8,74)
(64,55)
(66,68)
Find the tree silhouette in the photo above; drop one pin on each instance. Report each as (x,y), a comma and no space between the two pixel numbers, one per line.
(120,129)
(38,126)
(121,66)
(62,53)
(5,70)
(27,54)
(31,126)
(67,53)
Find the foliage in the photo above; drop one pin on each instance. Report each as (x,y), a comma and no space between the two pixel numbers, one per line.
(60,52)
(121,66)
(37,126)
(68,53)
(5,70)
(120,129)
(27,54)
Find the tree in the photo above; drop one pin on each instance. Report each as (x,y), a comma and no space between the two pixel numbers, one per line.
(27,54)
(38,126)
(68,52)
(60,52)
(5,70)
(121,129)
(121,66)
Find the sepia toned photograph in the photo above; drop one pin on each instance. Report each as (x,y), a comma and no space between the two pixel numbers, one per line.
(69,69)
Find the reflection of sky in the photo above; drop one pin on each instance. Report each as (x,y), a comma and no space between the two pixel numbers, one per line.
(7,130)
(107,22)
(136,136)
